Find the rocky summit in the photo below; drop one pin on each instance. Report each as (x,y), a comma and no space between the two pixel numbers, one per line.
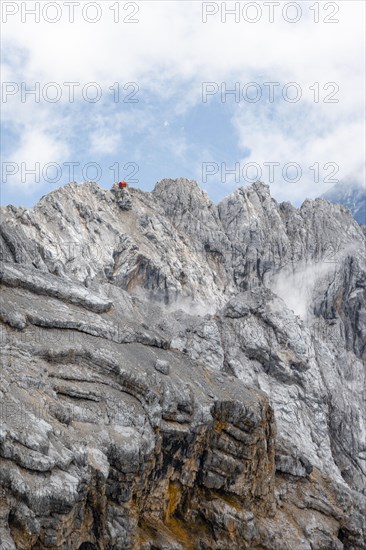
(177,374)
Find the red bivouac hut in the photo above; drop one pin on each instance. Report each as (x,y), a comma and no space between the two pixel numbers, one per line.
(122,185)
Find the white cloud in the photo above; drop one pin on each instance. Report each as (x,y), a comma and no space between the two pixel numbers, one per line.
(338,146)
(104,143)
(170,52)
(36,150)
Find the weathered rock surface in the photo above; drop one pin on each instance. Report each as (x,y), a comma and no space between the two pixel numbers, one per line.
(177,374)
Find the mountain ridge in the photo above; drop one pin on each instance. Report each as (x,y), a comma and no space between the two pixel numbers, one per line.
(352,196)
(200,370)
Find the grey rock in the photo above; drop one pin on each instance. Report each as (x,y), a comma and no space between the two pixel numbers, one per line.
(250,429)
(162,366)
(123,199)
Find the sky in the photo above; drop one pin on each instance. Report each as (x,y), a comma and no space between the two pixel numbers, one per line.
(225,93)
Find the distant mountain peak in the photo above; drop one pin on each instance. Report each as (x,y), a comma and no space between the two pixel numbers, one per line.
(350,194)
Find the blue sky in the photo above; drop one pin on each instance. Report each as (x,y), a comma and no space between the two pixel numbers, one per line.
(169,54)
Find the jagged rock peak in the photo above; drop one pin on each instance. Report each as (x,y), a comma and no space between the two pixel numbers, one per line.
(181,193)
(179,184)
(181,375)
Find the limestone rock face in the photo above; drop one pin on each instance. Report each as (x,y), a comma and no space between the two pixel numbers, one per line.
(177,374)
(122,197)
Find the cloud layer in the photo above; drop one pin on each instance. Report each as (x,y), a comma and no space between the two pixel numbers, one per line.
(170,131)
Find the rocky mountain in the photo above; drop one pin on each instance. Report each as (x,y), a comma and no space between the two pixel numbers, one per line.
(182,375)
(350,195)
